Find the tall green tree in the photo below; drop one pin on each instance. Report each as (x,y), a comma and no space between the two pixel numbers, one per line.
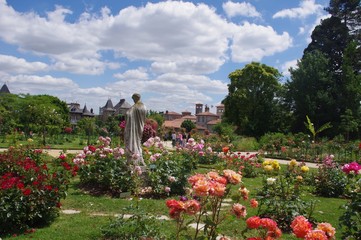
(349,11)
(88,126)
(311,91)
(34,110)
(253,97)
(46,120)
(331,38)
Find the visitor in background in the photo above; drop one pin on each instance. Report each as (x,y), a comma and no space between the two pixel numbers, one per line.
(174,138)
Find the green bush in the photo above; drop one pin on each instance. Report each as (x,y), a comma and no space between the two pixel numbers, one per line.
(245,144)
(104,170)
(279,199)
(30,190)
(169,173)
(140,225)
(350,220)
(329,181)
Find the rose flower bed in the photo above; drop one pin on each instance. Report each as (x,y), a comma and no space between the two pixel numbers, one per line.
(30,189)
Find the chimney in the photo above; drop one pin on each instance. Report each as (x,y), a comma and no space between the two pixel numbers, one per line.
(206,108)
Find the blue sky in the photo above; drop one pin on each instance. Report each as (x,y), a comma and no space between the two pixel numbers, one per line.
(174,53)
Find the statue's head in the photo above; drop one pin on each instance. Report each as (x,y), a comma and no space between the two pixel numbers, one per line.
(136,97)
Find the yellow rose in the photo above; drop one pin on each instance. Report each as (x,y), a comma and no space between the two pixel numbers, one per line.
(268,168)
(266,163)
(305,169)
(293,163)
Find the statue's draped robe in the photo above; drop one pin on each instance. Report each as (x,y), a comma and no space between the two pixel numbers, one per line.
(135,118)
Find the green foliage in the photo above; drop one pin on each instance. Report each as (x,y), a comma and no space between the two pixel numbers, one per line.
(141,225)
(348,123)
(331,38)
(105,171)
(188,125)
(169,170)
(88,126)
(273,142)
(249,164)
(309,92)
(350,221)
(253,96)
(309,125)
(280,199)
(39,113)
(225,131)
(330,181)
(158,117)
(31,190)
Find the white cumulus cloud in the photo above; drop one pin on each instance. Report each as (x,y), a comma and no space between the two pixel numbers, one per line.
(244,9)
(11,64)
(306,8)
(253,42)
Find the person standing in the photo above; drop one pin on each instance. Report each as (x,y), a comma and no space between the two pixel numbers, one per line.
(174,138)
(133,133)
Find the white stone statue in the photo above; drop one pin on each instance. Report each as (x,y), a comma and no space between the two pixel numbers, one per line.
(134,125)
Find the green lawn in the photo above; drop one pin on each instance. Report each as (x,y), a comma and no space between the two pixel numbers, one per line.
(96,212)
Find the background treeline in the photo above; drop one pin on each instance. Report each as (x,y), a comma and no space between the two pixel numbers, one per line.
(325,85)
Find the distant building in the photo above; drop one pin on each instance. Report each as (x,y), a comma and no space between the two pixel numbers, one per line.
(220,110)
(206,117)
(110,110)
(173,120)
(4,89)
(76,113)
(203,120)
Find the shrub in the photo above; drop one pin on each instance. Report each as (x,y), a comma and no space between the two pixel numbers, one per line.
(245,144)
(330,181)
(350,220)
(279,199)
(168,173)
(140,225)
(30,190)
(103,170)
(272,142)
(247,163)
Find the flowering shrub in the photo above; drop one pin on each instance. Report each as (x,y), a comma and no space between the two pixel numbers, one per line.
(350,220)
(299,171)
(104,169)
(279,199)
(168,172)
(30,190)
(330,181)
(204,203)
(199,152)
(247,163)
(262,228)
(271,166)
(352,168)
(150,129)
(302,228)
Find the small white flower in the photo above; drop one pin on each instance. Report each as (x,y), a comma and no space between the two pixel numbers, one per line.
(270,181)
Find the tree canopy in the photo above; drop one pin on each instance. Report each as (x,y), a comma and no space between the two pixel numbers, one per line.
(253,96)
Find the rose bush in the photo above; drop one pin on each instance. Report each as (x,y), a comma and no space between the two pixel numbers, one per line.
(329,181)
(30,189)
(280,198)
(103,170)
